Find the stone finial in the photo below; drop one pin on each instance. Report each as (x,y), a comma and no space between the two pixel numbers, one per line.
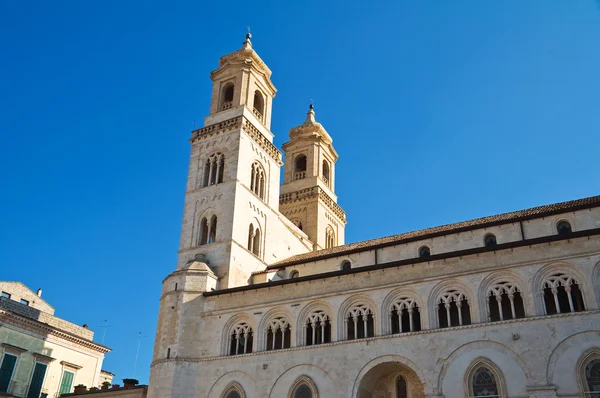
(247,45)
(310,116)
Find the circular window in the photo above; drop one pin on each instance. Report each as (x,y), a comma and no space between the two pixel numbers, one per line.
(424,251)
(346,265)
(490,240)
(564,227)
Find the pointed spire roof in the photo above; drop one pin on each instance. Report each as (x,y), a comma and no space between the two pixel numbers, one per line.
(243,55)
(310,128)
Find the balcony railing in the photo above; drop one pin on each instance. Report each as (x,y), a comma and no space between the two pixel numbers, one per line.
(326,181)
(258,114)
(300,175)
(226,105)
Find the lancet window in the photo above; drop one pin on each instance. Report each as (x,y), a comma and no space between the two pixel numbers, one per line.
(213,169)
(303,388)
(483,383)
(562,294)
(278,334)
(401,387)
(208,230)
(254,239)
(453,309)
(318,328)
(359,322)
(257,180)
(329,237)
(405,316)
(504,301)
(592,379)
(241,339)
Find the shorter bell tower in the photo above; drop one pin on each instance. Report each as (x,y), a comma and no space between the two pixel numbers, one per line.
(308,196)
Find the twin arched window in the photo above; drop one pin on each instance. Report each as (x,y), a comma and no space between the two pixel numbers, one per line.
(504,302)
(318,328)
(562,294)
(453,309)
(208,230)
(257,180)
(329,237)
(278,334)
(405,316)
(254,240)
(359,322)
(213,169)
(241,339)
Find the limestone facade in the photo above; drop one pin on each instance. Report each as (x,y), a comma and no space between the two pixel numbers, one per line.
(41,353)
(503,306)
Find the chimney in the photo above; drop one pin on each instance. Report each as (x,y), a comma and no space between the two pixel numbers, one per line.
(39,292)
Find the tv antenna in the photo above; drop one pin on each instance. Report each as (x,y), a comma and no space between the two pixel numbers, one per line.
(139,338)
(104,326)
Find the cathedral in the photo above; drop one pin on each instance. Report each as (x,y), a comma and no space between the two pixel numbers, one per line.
(267,300)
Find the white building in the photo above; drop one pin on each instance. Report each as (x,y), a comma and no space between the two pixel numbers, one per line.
(267,301)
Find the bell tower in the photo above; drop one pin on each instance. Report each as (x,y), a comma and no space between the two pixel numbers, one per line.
(308,193)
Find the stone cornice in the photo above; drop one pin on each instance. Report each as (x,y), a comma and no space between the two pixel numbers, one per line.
(383,337)
(237,123)
(26,323)
(312,192)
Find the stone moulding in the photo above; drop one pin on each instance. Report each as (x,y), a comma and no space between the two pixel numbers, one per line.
(311,193)
(375,338)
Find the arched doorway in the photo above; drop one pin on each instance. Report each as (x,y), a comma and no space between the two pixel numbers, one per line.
(390,380)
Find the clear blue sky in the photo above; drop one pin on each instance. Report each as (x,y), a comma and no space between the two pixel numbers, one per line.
(441,111)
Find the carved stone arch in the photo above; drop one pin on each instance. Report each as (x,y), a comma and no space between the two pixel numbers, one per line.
(347,305)
(547,271)
(391,297)
(489,365)
(260,333)
(233,388)
(563,217)
(319,373)
(229,325)
(588,356)
(475,346)
(305,313)
(237,380)
(582,343)
(451,284)
(502,276)
(299,383)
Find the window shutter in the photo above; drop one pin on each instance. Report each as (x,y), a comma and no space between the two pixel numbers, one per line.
(67,382)
(6,371)
(37,380)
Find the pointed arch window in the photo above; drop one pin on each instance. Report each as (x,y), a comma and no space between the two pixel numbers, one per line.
(329,237)
(562,294)
(254,240)
(300,168)
(484,383)
(591,379)
(241,340)
(303,388)
(278,334)
(234,391)
(259,105)
(233,394)
(359,322)
(401,387)
(504,301)
(208,230)
(227,96)
(317,328)
(453,309)
(405,316)
(326,173)
(257,180)
(213,169)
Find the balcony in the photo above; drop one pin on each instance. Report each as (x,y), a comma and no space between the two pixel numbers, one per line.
(227,105)
(258,114)
(300,175)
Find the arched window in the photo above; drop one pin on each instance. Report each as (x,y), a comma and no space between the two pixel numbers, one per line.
(326,174)
(346,265)
(401,387)
(241,339)
(233,394)
(453,309)
(213,169)
(483,383)
(562,294)
(254,240)
(504,302)
(300,168)
(294,274)
(592,379)
(278,334)
(564,227)
(208,230)
(489,240)
(259,105)
(298,224)
(405,316)
(424,251)
(227,96)
(234,391)
(257,180)
(359,322)
(318,328)
(329,237)
(303,388)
